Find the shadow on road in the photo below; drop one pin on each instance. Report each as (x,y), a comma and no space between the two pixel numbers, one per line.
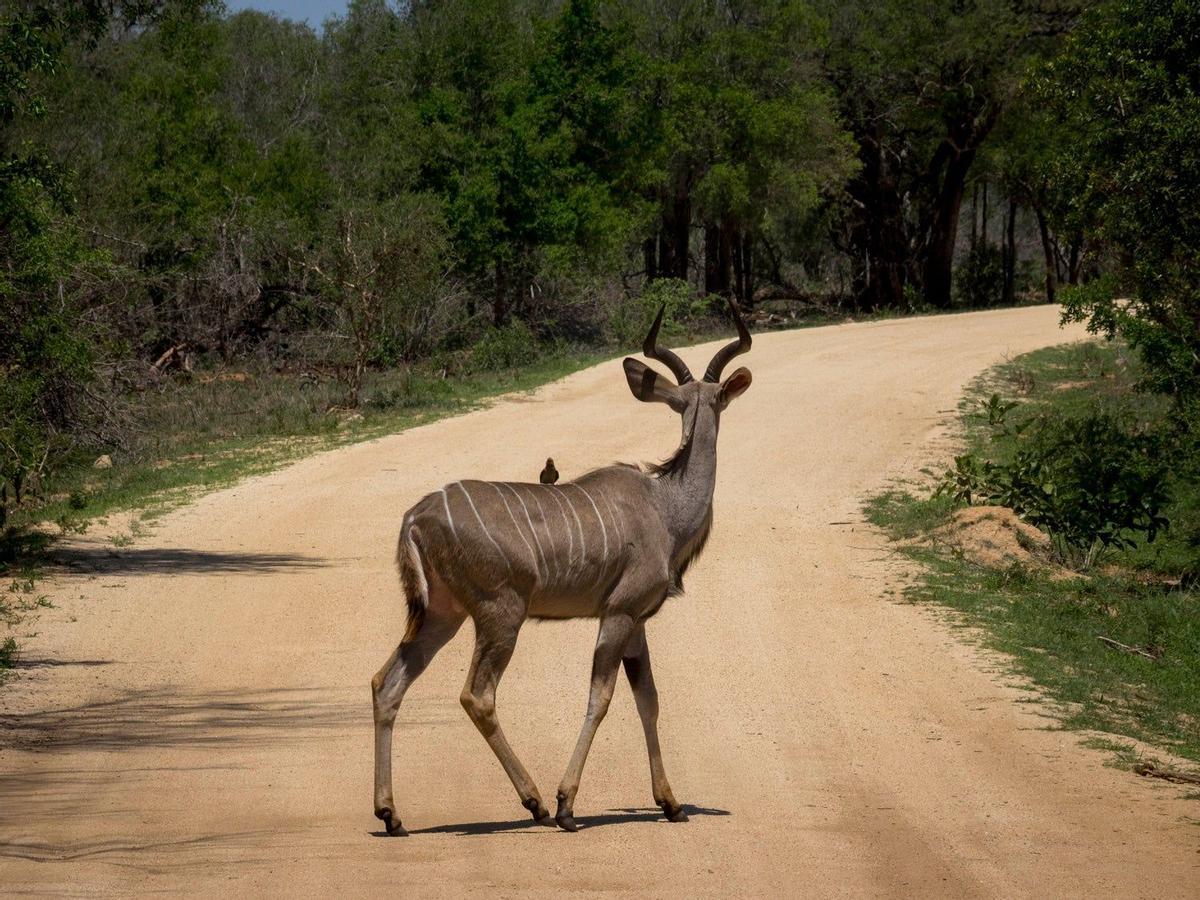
(162,560)
(624,816)
(165,717)
(23,662)
(125,853)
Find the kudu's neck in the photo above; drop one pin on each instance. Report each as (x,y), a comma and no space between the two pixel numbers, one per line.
(686,487)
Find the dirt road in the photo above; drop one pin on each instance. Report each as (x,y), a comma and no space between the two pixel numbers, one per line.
(196,714)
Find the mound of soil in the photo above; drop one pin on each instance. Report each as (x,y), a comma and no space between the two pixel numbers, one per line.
(993,536)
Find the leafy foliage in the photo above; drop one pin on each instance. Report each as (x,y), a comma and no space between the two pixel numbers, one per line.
(1091,481)
(45,352)
(1127,92)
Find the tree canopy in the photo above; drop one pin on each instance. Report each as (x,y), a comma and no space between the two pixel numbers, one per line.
(179,183)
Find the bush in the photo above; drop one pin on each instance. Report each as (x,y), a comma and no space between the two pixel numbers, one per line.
(979,280)
(506,347)
(1091,481)
(633,315)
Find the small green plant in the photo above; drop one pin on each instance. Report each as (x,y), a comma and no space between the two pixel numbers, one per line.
(996,411)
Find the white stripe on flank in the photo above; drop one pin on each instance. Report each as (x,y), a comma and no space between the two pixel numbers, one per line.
(612,511)
(449,516)
(599,518)
(582,542)
(462,487)
(546,525)
(570,534)
(528,519)
(512,515)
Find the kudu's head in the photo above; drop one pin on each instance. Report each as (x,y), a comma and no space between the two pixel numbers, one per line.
(694,400)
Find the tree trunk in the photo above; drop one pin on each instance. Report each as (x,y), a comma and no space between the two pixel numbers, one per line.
(649,257)
(718,258)
(674,233)
(712,266)
(739,265)
(1076,259)
(747,296)
(728,235)
(500,295)
(880,236)
(975,216)
(683,229)
(943,230)
(1010,254)
(1048,250)
(984,223)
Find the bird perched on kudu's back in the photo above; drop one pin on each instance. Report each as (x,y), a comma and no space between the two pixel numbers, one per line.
(549,474)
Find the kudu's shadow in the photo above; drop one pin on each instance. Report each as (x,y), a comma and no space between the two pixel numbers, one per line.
(621,816)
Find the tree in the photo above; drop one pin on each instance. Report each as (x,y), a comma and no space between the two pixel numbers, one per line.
(748,139)
(45,355)
(382,272)
(1126,90)
(922,85)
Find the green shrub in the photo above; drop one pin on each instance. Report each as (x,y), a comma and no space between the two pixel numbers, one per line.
(506,347)
(633,314)
(1092,482)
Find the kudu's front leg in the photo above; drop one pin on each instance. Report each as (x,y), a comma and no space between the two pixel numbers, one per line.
(641,680)
(615,632)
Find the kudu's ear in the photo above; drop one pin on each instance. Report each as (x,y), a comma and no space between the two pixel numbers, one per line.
(735,385)
(648,386)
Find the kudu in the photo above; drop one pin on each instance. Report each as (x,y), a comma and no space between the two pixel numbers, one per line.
(612,545)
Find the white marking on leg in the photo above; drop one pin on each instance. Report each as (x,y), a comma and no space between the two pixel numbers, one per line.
(462,487)
(449,516)
(532,556)
(529,519)
(599,518)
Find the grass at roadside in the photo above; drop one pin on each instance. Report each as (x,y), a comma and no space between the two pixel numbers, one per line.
(1143,597)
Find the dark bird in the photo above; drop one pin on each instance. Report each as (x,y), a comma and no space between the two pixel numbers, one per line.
(549,474)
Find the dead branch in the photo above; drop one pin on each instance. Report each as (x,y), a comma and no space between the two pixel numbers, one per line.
(1125,648)
(1153,770)
(177,353)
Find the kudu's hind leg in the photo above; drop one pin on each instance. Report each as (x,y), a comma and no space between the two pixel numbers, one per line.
(615,632)
(641,680)
(442,621)
(496,627)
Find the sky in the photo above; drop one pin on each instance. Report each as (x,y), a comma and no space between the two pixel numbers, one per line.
(315,11)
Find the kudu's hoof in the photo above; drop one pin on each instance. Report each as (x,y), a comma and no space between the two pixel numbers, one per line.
(673,813)
(566,823)
(540,814)
(390,822)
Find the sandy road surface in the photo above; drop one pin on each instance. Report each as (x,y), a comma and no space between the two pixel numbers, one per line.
(197,716)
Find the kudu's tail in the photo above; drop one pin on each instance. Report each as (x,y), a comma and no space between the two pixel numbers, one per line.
(412,578)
